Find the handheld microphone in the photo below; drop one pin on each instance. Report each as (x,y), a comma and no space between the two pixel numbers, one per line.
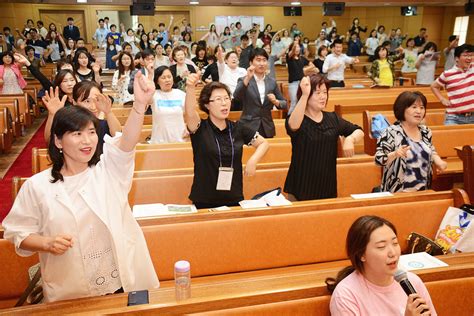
(402,278)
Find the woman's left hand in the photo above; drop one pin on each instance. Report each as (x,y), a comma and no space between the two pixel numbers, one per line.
(96,67)
(250,168)
(104,103)
(348,147)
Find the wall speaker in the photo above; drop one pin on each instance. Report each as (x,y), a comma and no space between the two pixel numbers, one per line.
(142,9)
(333,8)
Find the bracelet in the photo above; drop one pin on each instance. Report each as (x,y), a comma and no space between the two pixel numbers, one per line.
(136,111)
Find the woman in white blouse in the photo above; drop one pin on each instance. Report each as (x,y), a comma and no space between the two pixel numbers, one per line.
(76,214)
(121,78)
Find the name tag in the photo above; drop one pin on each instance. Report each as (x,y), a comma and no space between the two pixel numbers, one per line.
(224,179)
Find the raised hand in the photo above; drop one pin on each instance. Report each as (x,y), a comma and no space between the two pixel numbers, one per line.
(52,102)
(96,67)
(250,71)
(220,54)
(305,86)
(19,58)
(193,79)
(143,88)
(59,244)
(103,103)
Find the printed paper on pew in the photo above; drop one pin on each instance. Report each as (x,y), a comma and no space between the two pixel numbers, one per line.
(245,204)
(371,195)
(275,198)
(419,260)
(159,209)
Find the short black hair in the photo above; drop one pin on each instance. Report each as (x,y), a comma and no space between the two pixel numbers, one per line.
(423,29)
(158,72)
(405,100)
(428,46)
(244,37)
(258,52)
(452,38)
(101,20)
(337,41)
(462,49)
(113,25)
(147,52)
(28,48)
(6,28)
(70,19)
(69,119)
(206,92)
(40,22)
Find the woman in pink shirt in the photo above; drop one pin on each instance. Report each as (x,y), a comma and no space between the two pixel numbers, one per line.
(368,287)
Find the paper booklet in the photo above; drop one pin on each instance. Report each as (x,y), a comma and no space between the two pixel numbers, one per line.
(419,260)
(158,209)
(371,195)
(273,198)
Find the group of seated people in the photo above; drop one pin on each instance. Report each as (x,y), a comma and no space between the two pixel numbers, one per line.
(79,206)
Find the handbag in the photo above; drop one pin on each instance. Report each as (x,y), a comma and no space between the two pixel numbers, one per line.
(420,243)
(33,293)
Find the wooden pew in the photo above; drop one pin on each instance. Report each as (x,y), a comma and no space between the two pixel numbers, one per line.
(25,117)
(266,240)
(153,186)
(465,153)
(6,130)
(288,291)
(14,112)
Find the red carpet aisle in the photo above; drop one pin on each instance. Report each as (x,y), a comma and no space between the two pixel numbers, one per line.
(22,168)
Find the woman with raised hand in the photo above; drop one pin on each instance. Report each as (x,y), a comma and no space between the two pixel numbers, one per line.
(167,109)
(314,135)
(217,146)
(405,149)
(87,94)
(85,68)
(367,286)
(121,78)
(76,214)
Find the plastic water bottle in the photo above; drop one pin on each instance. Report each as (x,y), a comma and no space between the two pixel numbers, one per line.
(182,280)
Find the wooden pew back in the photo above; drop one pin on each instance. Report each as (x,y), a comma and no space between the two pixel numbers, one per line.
(6,130)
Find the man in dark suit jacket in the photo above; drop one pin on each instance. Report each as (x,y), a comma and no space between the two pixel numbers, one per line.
(258,94)
(71,31)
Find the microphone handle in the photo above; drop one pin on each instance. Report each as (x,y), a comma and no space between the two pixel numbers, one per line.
(409,289)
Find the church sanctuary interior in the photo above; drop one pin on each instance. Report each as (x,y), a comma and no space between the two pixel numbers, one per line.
(237,157)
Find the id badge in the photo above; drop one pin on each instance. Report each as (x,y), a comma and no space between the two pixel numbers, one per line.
(224,179)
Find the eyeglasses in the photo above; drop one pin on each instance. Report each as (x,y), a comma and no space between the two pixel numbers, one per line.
(220,100)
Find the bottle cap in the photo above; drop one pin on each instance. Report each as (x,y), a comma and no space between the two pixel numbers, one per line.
(182,266)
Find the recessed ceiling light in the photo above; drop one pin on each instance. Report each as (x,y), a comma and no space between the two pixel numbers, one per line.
(295,3)
(193,2)
(81,1)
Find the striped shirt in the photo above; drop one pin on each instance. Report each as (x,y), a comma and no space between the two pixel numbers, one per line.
(460,87)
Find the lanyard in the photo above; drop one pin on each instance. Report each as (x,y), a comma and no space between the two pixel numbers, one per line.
(219,148)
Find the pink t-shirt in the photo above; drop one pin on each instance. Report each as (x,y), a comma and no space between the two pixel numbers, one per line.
(355,295)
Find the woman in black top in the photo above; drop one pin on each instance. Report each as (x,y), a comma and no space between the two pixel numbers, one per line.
(85,68)
(319,62)
(200,60)
(180,70)
(314,134)
(356,28)
(217,146)
(296,64)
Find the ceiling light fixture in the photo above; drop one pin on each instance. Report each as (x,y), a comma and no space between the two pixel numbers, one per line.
(194,2)
(81,1)
(296,3)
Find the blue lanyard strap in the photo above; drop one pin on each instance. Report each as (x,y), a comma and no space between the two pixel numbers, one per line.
(219,148)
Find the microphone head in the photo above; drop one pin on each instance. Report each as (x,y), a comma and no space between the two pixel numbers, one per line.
(400,275)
